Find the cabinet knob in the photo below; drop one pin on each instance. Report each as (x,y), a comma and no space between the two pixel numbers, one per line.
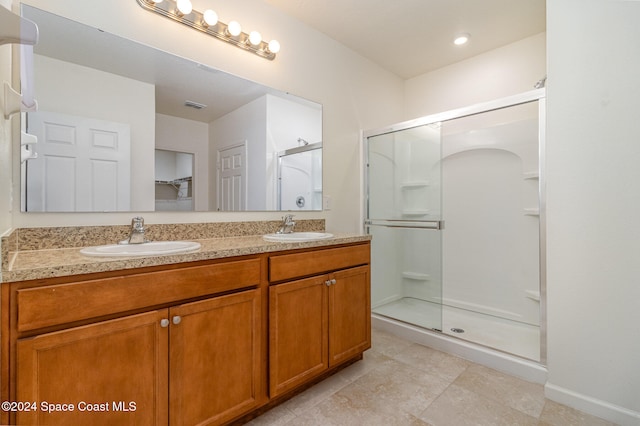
(327,283)
(333,281)
(176,319)
(164,323)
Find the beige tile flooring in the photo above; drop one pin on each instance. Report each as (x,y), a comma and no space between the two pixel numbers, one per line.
(403,383)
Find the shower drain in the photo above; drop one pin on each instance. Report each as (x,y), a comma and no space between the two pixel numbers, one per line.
(457,330)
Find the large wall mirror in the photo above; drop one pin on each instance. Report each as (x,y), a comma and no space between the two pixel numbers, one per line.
(124,127)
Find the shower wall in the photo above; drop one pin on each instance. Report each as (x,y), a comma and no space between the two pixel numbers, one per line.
(301,181)
(490,205)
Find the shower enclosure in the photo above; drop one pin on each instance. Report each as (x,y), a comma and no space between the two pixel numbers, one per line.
(454,204)
(300,178)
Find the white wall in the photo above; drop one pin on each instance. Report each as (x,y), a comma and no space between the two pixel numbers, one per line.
(508,70)
(180,135)
(593,195)
(355,93)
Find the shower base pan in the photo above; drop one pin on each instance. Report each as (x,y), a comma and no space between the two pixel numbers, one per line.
(516,338)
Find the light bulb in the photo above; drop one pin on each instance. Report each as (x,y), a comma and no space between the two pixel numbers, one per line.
(461,39)
(255,38)
(274,46)
(184,7)
(234,28)
(157,1)
(210,17)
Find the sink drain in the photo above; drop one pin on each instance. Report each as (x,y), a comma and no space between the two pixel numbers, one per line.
(457,330)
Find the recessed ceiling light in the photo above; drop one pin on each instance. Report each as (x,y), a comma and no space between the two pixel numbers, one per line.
(461,39)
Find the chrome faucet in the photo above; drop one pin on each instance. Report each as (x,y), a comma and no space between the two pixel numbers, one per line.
(137,232)
(287,225)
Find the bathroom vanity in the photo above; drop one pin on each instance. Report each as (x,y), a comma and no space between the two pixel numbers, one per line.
(209,337)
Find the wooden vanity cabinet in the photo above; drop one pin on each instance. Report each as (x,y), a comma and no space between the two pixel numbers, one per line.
(198,362)
(207,343)
(318,322)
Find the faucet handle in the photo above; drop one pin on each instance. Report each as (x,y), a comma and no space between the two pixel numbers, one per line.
(287,224)
(137,223)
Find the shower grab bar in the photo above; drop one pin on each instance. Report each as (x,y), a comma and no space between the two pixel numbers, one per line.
(436,224)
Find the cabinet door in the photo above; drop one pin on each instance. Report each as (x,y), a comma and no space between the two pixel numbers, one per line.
(215,363)
(349,314)
(112,372)
(297,332)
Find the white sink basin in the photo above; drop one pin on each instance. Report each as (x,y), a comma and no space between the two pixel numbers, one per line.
(298,237)
(153,248)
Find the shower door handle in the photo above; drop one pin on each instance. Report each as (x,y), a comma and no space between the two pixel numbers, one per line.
(434,224)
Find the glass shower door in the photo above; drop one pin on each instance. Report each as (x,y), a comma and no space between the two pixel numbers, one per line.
(300,178)
(403,216)
(479,169)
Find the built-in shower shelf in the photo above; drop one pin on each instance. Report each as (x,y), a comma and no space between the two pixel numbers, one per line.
(418,276)
(415,212)
(533,295)
(531,175)
(532,212)
(414,184)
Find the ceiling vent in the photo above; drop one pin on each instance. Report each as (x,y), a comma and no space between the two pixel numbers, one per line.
(195,105)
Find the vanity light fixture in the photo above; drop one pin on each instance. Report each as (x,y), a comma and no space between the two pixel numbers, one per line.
(255,38)
(184,7)
(209,18)
(274,46)
(207,22)
(234,29)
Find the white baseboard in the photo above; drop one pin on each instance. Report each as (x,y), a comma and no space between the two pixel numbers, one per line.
(593,406)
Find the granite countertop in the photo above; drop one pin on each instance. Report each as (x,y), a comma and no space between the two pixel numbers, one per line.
(23,265)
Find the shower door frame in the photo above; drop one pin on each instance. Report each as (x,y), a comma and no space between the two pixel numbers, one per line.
(509,101)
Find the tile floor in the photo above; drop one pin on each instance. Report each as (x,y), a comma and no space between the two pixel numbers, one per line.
(403,383)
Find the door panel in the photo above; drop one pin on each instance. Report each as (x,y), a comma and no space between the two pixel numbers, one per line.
(83,164)
(232,171)
(349,314)
(407,285)
(216,368)
(298,332)
(121,365)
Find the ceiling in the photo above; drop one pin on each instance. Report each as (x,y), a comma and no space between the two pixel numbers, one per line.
(406,37)
(412,37)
